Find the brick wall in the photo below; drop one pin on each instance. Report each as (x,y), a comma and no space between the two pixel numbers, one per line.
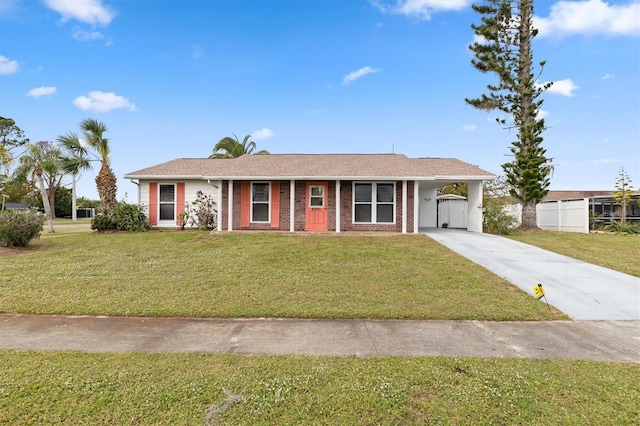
(346,205)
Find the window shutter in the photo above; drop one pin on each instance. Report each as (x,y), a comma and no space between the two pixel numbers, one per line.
(245,204)
(179,201)
(275,204)
(153,203)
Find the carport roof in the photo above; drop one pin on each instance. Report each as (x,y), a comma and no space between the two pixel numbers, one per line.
(314,166)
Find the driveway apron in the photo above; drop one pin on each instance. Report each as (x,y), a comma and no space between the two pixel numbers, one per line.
(581,290)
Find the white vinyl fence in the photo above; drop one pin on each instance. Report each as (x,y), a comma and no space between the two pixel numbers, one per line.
(566,216)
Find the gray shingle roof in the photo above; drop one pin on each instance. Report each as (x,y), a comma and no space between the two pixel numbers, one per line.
(313,166)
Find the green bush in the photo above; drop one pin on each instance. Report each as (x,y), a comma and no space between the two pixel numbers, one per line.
(19,227)
(625,228)
(129,217)
(495,218)
(103,223)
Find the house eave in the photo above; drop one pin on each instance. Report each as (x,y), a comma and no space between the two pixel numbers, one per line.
(164,177)
(372,177)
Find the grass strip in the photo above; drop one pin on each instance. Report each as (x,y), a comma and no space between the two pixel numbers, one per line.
(619,252)
(81,389)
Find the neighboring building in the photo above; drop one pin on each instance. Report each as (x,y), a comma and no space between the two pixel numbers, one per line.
(17,206)
(310,192)
(603,206)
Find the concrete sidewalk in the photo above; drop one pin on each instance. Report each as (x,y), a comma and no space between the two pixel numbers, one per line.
(592,340)
(579,289)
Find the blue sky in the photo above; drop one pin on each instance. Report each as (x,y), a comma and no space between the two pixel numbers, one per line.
(170,78)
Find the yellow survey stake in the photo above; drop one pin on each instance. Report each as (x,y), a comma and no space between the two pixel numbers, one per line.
(538,290)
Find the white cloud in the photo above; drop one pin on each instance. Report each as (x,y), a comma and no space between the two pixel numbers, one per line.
(590,17)
(103,102)
(41,91)
(421,9)
(469,128)
(87,11)
(263,133)
(542,114)
(564,87)
(357,74)
(82,35)
(8,66)
(608,76)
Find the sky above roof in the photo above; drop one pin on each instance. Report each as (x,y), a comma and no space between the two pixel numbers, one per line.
(172,77)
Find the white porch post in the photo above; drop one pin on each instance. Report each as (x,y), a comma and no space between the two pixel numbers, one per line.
(292,205)
(220,205)
(338,207)
(416,206)
(230,207)
(474,203)
(404,207)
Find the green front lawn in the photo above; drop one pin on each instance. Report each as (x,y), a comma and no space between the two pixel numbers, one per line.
(193,273)
(615,251)
(195,389)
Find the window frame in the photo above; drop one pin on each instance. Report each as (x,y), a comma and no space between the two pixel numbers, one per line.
(374,203)
(323,196)
(268,202)
(161,203)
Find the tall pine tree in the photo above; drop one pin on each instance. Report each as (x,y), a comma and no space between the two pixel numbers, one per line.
(503,47)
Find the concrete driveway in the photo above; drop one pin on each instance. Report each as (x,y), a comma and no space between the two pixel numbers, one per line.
(581,290)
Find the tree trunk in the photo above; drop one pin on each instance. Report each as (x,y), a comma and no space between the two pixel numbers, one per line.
(529,217)
(51,191)
(45,203)
(107,189)
(74,210)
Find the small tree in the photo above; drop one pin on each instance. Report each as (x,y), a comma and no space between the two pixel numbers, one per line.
(11,137)
(623,192)
(39,161)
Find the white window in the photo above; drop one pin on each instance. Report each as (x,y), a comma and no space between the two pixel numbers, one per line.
(167,202)
(373,202)
(260,194)
(316,196)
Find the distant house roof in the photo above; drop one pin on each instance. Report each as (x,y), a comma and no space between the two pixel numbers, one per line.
(315,166)
(556,195)
(16,206)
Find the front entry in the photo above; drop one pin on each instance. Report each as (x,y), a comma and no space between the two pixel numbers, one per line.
(316,206)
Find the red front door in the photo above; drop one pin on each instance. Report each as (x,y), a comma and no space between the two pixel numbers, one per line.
(316,206)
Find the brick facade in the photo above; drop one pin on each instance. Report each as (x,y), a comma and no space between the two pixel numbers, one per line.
(346,207)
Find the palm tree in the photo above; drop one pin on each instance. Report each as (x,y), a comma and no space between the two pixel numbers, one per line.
(41,159)
(97,146)
(231,147)
(74,161)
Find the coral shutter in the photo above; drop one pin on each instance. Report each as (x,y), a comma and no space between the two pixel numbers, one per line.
(275,204)
(179,201)
(153,203)
(245,204)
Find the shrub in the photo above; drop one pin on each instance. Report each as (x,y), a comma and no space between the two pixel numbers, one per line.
(131,217)
(496,219)
(17,228)
(103,223)
(128,217)
(625,228)
(202,212)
